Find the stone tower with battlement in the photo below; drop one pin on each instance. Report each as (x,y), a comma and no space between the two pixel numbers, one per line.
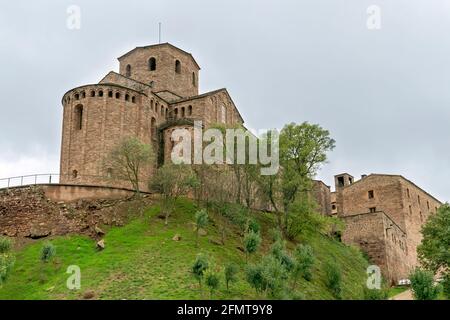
(155,92)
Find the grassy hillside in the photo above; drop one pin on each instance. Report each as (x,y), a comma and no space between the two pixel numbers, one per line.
(141,261)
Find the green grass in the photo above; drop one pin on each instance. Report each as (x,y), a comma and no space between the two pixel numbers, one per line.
(392,292)
(141,261)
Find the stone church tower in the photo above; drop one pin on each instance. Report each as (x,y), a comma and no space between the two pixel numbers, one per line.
(156,91)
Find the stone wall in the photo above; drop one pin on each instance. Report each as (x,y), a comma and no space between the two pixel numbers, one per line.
(403,203)
(38,211)
(382,240)
(322,195)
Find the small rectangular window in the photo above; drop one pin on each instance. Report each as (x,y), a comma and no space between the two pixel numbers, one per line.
(372,210)
(371,194)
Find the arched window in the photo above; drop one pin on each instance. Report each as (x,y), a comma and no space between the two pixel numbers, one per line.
(83,95)
(117,95)
(92,93)
(153,128)
(151,104)
(77,96)
(167,113)
(156,107)
(133,99)
(194,81)
(109,173)
(100,93)
(127,97)
(128,71)
(183,112)
(74,174)
(162,111)
(78,117)
(178,66)
(223,115)
(190,111)
(176,113)
(152,64)
(110,94)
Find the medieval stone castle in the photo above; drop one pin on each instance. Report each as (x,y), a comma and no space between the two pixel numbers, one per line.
(157,91)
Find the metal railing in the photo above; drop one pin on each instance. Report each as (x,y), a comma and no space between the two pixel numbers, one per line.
(49,178)
(34,179)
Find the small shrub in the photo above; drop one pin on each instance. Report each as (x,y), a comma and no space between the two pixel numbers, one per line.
(212,281)
(278,252)
(375,294)
(48,252)
(252,241)
(422,284)
(231,271)
(255,277)
(276,235)
(5,245)
(304,262)
(199,268)
(6,264)
(201,220)
(333,279)
(274,276)
(254,226)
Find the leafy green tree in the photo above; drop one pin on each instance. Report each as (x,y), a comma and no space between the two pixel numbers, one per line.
(302,149)
(212,280)
(172,181)
(333,279)
(231,271)
(48,252)
(434,252)
(252,241)
(304,262)
(201,220)
(422,284)
(199,268)
(128,159)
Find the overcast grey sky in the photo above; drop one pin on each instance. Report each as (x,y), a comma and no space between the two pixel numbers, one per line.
(383,94)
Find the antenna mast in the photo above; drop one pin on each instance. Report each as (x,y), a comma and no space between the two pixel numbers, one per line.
(160,33)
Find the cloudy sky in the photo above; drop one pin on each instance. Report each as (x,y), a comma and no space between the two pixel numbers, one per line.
(383,94)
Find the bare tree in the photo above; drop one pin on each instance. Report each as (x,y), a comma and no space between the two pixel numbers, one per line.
(128,159)
(172,181)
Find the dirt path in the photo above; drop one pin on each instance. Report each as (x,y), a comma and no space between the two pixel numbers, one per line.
(406,295)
